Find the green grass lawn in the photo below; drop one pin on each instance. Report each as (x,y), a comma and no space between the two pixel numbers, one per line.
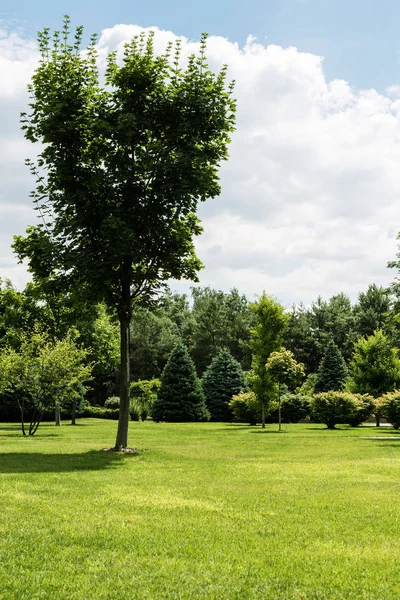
(208,511)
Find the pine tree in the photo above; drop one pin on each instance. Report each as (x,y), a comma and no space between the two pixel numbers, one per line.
(180,397)
(222,379)
(332,370)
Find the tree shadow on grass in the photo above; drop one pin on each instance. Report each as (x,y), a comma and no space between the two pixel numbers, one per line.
(36,462)
(268,431)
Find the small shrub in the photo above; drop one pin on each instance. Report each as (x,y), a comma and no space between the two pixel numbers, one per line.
(143,396)
(112,402)
(390,408)
(364,408)
(246,408)
(332,408)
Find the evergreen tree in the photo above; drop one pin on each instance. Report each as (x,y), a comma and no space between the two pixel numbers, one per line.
(332,370)
(223,379)
(180,397)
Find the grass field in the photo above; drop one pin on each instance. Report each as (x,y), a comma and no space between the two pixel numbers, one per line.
(208,511)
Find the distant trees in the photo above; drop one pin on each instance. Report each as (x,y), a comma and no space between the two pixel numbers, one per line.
(222,379)
(180,397)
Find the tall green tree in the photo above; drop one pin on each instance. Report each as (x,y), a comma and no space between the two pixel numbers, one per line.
(222,379)
(266,337)
(332,372)
(375,367)
(122,168)
(180,397)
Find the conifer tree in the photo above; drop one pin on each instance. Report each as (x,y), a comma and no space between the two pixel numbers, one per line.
(222,379)
(332,370)
(180,397)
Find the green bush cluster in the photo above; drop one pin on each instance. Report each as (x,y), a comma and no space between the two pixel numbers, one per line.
(98,412)
(388,406)
(333,408)
(246,408)
(112,402)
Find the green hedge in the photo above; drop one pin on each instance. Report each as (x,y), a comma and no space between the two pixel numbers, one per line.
(100,413)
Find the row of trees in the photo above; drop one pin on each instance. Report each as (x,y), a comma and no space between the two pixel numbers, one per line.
(252,333)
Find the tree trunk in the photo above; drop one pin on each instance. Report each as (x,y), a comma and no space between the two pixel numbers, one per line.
(57,416)
(21,411)
(73,416)
(123,420)
(378,420)
(279,408)
(263,415)
(35,420)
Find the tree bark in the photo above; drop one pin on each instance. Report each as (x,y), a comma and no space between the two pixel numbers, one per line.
(123,420)
(73,416)
(35,420)
(279,408)
(57,416)
(263,415)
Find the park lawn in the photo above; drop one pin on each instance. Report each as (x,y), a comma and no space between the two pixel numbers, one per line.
(207,511)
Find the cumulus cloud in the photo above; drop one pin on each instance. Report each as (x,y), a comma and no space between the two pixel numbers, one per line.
(309,201)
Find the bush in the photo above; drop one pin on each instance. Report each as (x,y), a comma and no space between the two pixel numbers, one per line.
(222,379)
(364,408)
(101,413)
(294,408)
(332,408)
(390,408)
(246,408)
(112,402)
(143,396)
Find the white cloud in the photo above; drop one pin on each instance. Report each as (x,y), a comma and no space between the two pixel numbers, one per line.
(310,194)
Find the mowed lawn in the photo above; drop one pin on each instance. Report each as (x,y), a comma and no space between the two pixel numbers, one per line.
(207,511)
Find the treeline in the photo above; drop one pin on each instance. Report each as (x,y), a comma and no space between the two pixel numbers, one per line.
(205,323)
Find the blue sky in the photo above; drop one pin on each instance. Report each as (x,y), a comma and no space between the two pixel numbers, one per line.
(358,38)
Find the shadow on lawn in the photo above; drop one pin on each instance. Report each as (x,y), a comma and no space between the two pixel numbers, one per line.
(36,462)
